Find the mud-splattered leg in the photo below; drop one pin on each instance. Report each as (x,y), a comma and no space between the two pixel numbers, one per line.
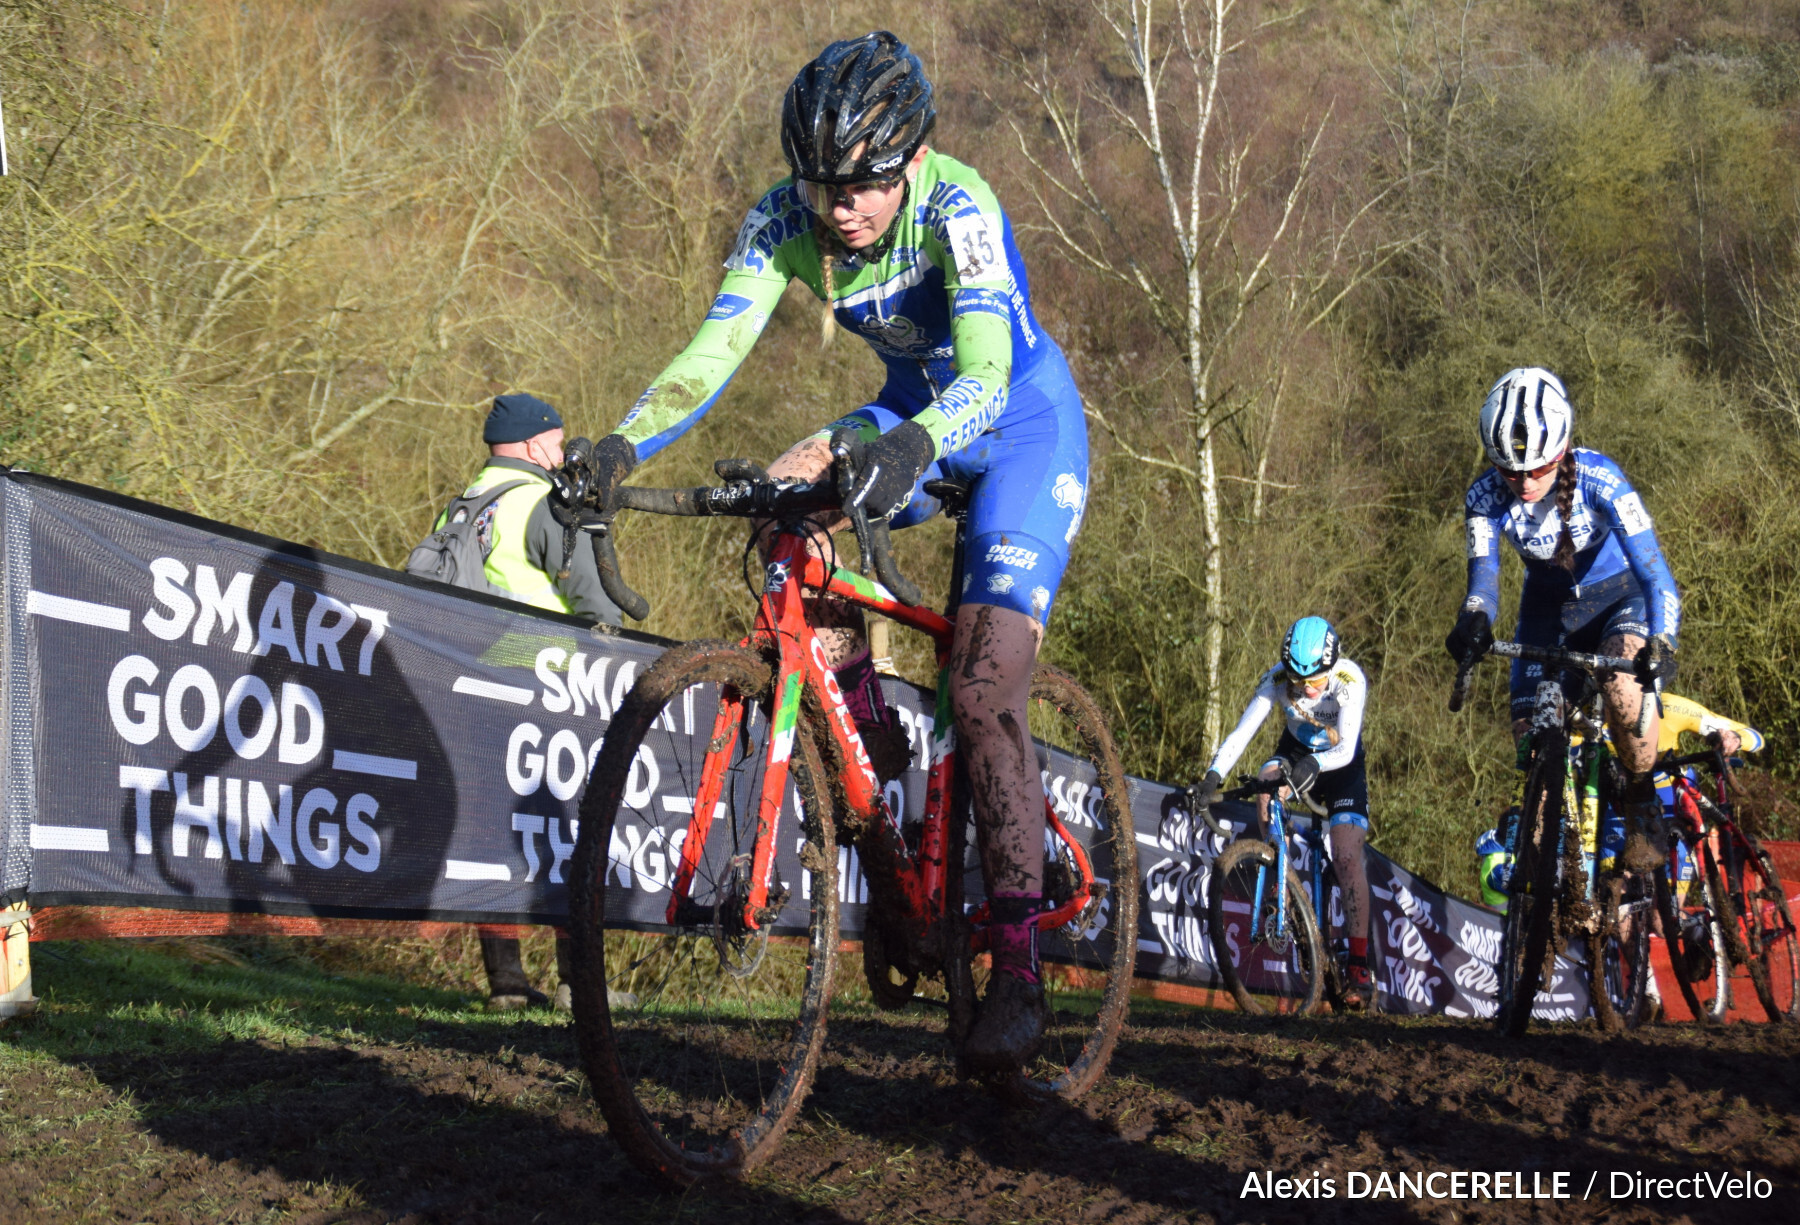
(990,681)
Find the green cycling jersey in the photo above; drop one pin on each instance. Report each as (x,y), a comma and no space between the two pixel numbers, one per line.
(946,306)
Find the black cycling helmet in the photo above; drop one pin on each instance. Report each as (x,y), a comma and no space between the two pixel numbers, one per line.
(857,112)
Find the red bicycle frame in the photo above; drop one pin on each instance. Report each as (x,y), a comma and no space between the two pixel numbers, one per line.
(781,625)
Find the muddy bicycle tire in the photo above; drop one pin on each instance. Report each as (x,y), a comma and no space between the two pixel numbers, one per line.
(1695,941)
(1727,889)
(1531,914)
(1619,959)
(1102,940)
(1782,952)
(1232,885)
(702,1072)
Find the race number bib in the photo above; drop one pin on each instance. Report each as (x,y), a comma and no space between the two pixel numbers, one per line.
(979,250)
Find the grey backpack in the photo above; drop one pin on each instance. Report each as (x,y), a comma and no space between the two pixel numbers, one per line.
(457,552)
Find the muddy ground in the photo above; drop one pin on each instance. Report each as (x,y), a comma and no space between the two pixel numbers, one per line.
(443,1118)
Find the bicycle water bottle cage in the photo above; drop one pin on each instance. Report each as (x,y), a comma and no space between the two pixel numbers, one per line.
(952,495)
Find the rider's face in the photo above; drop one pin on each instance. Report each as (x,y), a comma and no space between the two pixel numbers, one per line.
(1533,485)
(860,213)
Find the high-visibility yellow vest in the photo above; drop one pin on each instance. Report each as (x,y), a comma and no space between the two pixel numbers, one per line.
(508,567)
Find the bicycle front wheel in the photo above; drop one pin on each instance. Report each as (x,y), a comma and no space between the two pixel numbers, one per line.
(1271,962)
(1696,945)
(1531,907)
(700,1041)
(1619,956)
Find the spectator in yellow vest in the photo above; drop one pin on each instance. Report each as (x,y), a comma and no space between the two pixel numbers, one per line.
(524,547)
(521,538)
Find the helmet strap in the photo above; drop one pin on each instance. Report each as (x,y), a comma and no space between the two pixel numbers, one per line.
(885,243)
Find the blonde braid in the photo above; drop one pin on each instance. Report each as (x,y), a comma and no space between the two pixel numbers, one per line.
(827,262)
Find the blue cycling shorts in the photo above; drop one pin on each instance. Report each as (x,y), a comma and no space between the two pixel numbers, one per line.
(1028,477)
(1576,619)
(1343,792)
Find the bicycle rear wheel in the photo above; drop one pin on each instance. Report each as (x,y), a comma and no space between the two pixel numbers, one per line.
(1278,971)
(1089,959)
(1532,902)
(1770,936)
(700,1043)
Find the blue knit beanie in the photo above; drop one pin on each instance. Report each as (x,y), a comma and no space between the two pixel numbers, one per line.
(516,417)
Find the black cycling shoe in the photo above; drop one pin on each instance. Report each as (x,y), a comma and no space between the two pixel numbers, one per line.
(1359,988)
(1009,1026)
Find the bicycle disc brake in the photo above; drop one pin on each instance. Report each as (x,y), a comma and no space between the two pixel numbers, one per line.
(741,950)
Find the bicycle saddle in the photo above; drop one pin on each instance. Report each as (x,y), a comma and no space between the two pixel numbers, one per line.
(954,495)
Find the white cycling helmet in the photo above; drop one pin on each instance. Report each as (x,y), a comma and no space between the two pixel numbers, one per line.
(1526,419)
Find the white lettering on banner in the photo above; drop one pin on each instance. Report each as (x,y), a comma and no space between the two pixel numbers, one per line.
(297,700)
(196,807)
(470,869)
(166,578)
(69,838)
(641,781)
(1183,937)
(195,679)
(146,726)
(357,814)
(1075,802)
(328,620)
(143,781)
(229,608)
(190,816)
(560,850)
(253,746)
(564,745)
(275,626)
(641,857)
(300,721)
(370,763)
(322,637)
(529,826)
(324,853)
(524,771)
(274,824)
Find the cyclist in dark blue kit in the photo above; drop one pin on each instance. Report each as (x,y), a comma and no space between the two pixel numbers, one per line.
(1595,578)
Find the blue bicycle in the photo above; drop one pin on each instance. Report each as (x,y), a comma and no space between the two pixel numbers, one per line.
(1266,938)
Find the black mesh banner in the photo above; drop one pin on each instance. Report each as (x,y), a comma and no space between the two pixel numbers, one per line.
(204,718)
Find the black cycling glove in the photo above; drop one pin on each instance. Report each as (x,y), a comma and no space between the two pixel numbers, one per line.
(610,462)
(1656,663)
(891,468)
(1304,773)
(1473,635)
(1205,793)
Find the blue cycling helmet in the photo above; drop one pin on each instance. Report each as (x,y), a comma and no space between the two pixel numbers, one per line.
(1311,647)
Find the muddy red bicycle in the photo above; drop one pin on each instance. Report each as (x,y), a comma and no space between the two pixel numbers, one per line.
(1731,921)
(700,1039)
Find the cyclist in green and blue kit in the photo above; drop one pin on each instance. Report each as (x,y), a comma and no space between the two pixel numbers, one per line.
(909,249)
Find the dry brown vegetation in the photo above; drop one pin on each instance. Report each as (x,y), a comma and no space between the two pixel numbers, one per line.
(269,262)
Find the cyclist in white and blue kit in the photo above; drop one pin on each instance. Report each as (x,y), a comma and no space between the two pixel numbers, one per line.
(1595,577)
(1321,695)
